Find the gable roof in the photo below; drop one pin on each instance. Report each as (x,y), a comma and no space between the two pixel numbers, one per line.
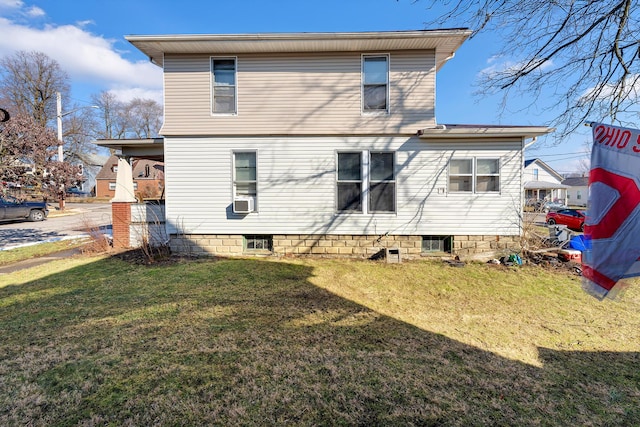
(444,41)
(139,170)
(107,169)
(545,166)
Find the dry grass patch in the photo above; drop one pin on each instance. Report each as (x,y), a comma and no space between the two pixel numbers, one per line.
(314,342)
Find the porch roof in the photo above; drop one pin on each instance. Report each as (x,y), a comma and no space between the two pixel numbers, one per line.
(542,185)
(146,148)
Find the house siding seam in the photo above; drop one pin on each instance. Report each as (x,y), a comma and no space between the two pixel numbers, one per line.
(298,94)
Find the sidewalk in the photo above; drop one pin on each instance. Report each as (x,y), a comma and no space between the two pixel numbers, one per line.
(33,262)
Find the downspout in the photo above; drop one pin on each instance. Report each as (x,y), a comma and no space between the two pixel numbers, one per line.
(533,141)
(522,192)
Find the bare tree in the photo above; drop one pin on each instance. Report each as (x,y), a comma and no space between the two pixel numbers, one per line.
(143,118)
(138,118)
(79,135)
(578,57)
(27,156)
(111,123)
(29,82)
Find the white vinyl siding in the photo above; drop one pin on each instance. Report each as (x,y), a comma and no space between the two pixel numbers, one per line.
(303,94)
(297,177)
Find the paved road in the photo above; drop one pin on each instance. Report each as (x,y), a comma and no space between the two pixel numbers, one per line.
(77,219)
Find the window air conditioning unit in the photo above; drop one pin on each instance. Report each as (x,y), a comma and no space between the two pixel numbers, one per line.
(243,205)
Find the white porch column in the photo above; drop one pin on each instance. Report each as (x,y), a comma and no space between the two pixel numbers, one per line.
(121,205)
(124,183)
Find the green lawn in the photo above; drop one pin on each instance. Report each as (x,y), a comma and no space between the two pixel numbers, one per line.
(39,250)
(102,341)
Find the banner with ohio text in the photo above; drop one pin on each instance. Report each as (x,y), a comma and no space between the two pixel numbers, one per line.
(612,231)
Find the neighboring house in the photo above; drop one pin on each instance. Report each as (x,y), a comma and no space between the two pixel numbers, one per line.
(148,178)
(542,183)
(327,143)
(577,190)
(90,169)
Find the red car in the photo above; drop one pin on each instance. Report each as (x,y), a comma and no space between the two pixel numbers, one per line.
(572,218)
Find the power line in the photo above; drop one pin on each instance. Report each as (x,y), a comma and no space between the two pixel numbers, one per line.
(584,153)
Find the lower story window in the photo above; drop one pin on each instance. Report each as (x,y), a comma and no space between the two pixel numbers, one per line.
(436,244)
(255,242)
(366,172)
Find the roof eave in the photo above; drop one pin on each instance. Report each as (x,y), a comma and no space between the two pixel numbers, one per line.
(148,148)
(444,132)
(444,41)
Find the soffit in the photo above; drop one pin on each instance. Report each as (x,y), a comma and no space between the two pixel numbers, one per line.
(482,131)
(444,42)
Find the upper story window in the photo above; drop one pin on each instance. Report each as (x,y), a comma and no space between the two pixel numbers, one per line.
(223,78)
(375,84)
(474,175)
(535,174)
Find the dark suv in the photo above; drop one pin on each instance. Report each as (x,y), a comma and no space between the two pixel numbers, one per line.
(12,208)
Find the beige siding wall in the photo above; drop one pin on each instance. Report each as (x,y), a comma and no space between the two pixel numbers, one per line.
(301,94)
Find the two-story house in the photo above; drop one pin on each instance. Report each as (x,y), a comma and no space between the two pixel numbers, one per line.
(327,143)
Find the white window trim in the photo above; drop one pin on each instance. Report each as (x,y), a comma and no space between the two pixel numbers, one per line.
(474,175)
(363,199)
(233,176)
(393,181)
(365,183)
(212,86)
(449,175)
(388,83)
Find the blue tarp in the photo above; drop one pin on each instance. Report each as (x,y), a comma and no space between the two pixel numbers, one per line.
(579,243)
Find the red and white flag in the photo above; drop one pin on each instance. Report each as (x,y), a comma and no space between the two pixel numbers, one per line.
(612,231)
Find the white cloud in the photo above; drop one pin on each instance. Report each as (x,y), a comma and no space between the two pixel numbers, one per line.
(35,12)
(126,94)
(87,58)
(85,23)
(11,4)
(498,65)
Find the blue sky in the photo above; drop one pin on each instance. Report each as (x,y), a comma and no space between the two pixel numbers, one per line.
(87,38)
